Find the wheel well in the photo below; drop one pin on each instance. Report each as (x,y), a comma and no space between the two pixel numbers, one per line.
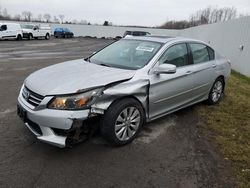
(131,97)
(222,77)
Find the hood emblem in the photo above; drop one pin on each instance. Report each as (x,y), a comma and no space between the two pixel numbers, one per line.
(26,94)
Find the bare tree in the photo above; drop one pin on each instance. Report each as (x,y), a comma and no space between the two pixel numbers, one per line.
(17,17)
(212,15)
(61,16)
(5,14)
(40,17)
(74,21)
(47,17)
(27,15)
(55,19)
(83,22)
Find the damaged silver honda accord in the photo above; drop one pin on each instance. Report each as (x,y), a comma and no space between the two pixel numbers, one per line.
(126,84)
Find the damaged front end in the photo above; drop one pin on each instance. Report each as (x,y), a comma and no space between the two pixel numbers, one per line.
(54,122)
(83,130)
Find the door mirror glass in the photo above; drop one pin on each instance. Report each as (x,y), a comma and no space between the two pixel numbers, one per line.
(165,69)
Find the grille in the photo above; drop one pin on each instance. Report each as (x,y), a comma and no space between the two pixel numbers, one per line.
(31,97)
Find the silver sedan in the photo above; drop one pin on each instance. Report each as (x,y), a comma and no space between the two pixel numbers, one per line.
(123,86)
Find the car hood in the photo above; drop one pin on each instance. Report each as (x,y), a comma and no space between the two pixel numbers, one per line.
(72,76)
(27,30)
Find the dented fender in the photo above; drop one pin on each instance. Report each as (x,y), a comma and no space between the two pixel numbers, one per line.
(138,89)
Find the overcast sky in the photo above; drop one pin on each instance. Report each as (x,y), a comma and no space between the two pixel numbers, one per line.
(121,12)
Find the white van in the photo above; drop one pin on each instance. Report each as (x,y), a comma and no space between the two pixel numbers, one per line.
(36,31)
(10,31)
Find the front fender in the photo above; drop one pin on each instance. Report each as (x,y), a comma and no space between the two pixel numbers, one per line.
(138,89)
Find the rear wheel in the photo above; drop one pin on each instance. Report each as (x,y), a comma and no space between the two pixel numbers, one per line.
(216,91)
(19,37)
(47,36)
(122,121)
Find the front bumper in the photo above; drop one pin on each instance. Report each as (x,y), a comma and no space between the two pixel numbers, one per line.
(43,122)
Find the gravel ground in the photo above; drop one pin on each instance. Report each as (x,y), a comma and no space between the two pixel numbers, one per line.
(169,152)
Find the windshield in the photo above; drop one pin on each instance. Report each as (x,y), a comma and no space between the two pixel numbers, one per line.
(126,54)
(27,26)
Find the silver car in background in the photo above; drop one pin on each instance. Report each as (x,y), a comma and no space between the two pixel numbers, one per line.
(126,84)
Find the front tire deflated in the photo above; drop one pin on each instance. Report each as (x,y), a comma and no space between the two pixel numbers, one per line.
(122,121)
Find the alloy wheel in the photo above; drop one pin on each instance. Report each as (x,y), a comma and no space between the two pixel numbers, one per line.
(127,123)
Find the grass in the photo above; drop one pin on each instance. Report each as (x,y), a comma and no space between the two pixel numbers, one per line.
(229,122)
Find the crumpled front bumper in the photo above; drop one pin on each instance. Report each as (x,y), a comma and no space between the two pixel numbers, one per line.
(43,122)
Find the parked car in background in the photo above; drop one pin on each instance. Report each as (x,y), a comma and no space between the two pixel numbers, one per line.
(10,31)
(63,33)
(136,33)
(130,82)
(31,31)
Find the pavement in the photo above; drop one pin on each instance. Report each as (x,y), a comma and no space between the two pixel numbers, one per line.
(169,152)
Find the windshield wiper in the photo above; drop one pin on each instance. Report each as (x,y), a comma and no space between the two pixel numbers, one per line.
(87,59)
(103,64)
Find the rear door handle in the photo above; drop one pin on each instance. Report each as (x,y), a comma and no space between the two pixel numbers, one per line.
(214,65)
(189,72)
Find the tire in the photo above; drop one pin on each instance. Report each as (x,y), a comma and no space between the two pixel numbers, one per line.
(19,37)
(47,36)
(216,92)
(30,36)
(119,130)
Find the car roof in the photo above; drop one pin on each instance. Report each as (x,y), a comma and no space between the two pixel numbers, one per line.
(162,39)
(8,23)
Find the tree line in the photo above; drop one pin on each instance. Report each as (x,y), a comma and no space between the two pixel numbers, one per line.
(205,16)
(28,16)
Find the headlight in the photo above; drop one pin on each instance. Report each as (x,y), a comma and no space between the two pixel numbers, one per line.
(76,101)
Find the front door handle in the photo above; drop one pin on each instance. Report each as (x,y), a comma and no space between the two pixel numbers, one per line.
(214,65)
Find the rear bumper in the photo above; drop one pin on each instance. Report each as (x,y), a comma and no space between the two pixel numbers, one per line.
(25,35)
(43,122)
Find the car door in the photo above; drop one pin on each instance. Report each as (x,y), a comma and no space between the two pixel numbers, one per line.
(36,31)
(204,66)
(168,92)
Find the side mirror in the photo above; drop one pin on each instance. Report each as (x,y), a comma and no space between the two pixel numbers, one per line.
(165,69)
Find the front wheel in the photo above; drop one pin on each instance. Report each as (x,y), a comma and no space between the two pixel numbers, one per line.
(47,36)
(19,37)
(122,121)
(30,36)
(216,91)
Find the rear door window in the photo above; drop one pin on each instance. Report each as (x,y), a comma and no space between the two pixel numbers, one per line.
(199,52)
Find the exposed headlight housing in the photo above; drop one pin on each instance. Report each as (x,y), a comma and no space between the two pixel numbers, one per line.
(75,101)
